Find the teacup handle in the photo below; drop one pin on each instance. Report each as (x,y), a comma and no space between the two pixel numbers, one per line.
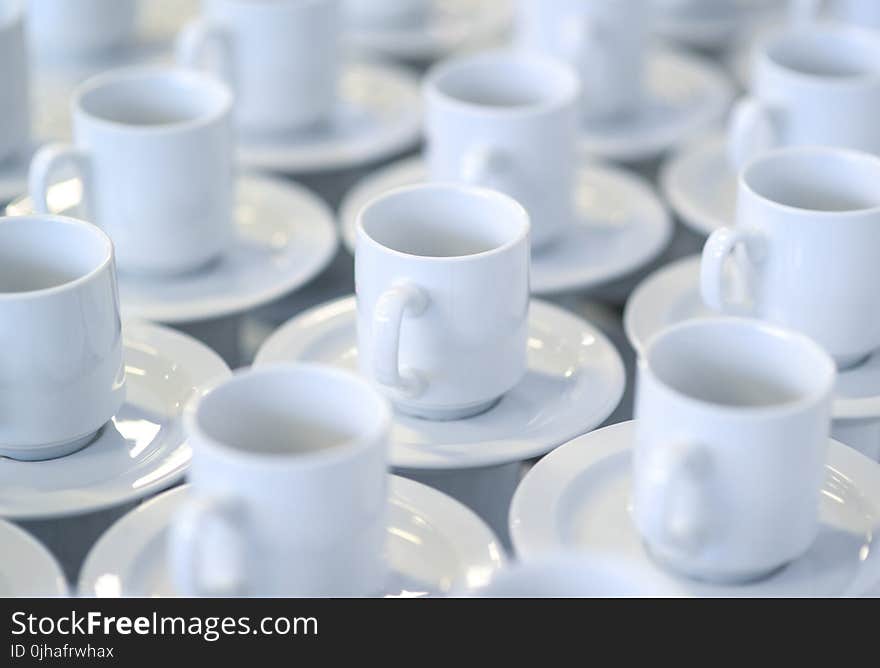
(197,38)
(720,245)
(753,129)
(686,517)
(403,298)
(186,529)
(45,163)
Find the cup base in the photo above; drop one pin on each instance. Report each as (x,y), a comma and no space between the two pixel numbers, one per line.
(50,451)
(711,575)
(447,414)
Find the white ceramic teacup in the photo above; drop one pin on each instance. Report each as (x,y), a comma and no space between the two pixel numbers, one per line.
(507,121)
(442,280)
(280,58)
(732,423)
(289,479)
(154,147)
(387,14)
(813,86)
(81,26)
(807,245)
(604,40)
(14,109)
(62,375)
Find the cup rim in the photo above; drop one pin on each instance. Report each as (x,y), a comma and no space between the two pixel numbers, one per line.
(473,191)
(806,400)
(302,460)
(89,228)
(568,96)
(843,31)
(792,152)
(147,71)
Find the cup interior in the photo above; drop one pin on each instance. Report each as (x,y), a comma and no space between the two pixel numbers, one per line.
(739,364)
(43,253)
(504,82)
(291,412)
(827,53)
(820,180)
(153,98)
(444,221)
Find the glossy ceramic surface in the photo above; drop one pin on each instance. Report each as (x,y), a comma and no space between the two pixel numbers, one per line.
(378,114)
(27,568)
(575,379)
(620,225)
(578,498)
(285,235)
(434,545)
(141,451)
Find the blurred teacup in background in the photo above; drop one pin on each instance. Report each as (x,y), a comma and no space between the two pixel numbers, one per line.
(14,107)
(154,149)
(81,27)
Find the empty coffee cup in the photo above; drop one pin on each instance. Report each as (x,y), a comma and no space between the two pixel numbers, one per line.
(289,483)
(154,148)
(14,114)
(62,375)
(813,86)
(280,58)
(507,121)
(732,422)
(442,280)
(81,27)
(807,245)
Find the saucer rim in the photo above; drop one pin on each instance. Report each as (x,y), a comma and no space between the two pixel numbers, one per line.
(197,355)
(430,502)
(39,559)
(271,352)
(401,170)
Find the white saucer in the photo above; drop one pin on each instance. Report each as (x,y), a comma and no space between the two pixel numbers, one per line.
(700,185)
(672,294)
(451,25)
(434,545)
(622,225)
(379,115)
(141,451)
(685,95)
(27,569)
(287,235)
(578,497)
(574,381)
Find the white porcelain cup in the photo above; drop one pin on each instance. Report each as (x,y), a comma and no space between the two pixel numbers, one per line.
(732,423)
(81,26)
(604,40)
(442,281)
(813,86)
(507,121)
(14,112)
(280,58)
(807,246)
(387,14)
(289,483)
(154,147)
(62,375)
